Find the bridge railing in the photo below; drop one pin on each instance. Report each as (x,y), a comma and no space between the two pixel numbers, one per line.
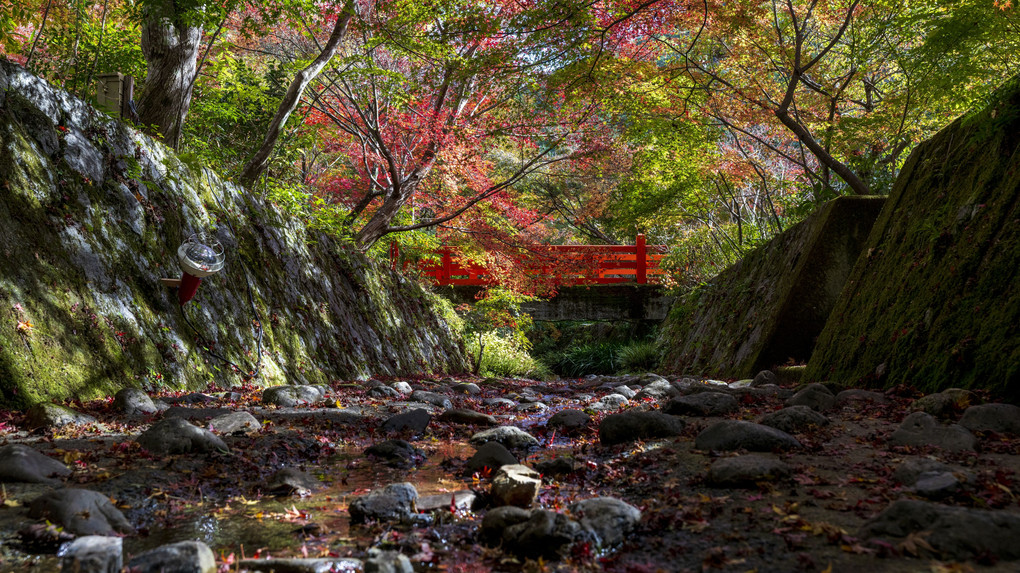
(568,265)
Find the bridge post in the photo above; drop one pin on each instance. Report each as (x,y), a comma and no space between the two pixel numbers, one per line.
(447,265)
(641,259)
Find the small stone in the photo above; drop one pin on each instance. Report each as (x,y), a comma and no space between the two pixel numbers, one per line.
(922,429)
(499,402)
(46,415)
(610,403)
(290,481)
(511,437)
(177,436)
(383,392)
(394,502)
(468,388)
(731,435)
(544,534)
(182,557)
(855,396)
(492,455)
(93,554)
(815,396)
(937,485)
(387,561)
(80,511)
(610,519)
(657,390)
(465,416)
(463,499)
(625,391)
(765,377)
(289,396)
(402,387)
(134,401)
(999,418)
(309,565)
(516,485)
(21,463)
(795,419)
(498,520)
(397,453)
(746,470)
(910,469)
(413,422)
(569,421)
(432,398)
(234,423)
(556,467)
(702,404)
(631,426)
(532,407)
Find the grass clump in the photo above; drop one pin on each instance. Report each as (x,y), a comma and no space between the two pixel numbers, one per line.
(505,358)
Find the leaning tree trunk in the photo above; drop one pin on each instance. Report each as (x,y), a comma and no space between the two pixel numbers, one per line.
(171,52)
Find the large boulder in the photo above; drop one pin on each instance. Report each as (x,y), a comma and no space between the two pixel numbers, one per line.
(21,463)
(742,435)
(182,557)
(512,437)
(921,429)
(933,301)
(394,502)
(769,306)
(610,519)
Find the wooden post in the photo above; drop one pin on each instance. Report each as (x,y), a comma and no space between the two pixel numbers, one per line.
(642,259)
(447,266)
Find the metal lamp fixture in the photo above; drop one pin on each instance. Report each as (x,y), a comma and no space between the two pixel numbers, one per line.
(200,256)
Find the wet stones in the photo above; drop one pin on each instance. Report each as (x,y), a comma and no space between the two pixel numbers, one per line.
(80,511)
(511,437)
(290,481)
(631,426)
(21,463)
(396,453)
(46,415)
(516,485)
(387,561)
(235,423)
(93,554)
(815,396)
(544,534)
(955,532)
(298,565)
(746,471)
(133,401)
(610,519)
(413,422)
(177,436)
(795,419)
(465,416)
(492,455)
(657,390)
(922,429)
(289,396)
(394,502)
(737,434)
(610,403)
(183,557)
(437,400)
(999,418)
(568,421)
(702,404)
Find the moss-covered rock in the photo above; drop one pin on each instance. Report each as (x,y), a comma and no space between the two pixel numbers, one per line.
(769,306)
(91,216)
(935,301)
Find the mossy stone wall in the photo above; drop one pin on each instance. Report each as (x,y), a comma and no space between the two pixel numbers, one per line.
(769,307)
(91,216)
(935,300)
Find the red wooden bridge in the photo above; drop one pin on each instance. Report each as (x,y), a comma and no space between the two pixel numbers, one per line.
(577,265)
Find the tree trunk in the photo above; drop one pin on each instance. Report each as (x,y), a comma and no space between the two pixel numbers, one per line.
(257,164)
(171,52)
(379,224)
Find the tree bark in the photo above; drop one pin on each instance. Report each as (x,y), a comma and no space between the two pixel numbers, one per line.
(257,164)
(171,52)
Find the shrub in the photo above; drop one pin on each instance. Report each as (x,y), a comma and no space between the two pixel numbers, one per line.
(639,356)
(504,358)
(593,358)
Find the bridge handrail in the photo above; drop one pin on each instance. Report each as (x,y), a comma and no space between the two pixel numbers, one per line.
(609,264)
